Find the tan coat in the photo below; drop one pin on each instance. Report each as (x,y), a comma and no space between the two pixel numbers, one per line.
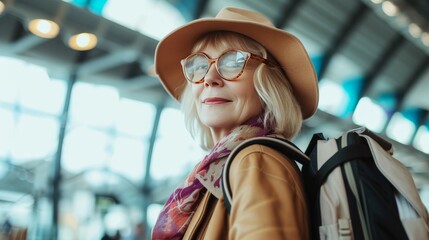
(268,201)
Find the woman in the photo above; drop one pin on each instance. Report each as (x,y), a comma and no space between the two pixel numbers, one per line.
(237,77)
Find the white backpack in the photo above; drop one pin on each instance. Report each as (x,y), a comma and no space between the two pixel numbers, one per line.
(355,188)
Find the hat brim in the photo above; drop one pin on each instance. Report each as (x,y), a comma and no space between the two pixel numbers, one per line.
(283,46)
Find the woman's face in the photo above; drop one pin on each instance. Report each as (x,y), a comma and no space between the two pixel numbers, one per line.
(223,105)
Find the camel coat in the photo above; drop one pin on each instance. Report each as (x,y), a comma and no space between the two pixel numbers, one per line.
(268,201)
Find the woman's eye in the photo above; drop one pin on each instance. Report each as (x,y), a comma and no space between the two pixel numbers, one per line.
(231,64)
(200,67)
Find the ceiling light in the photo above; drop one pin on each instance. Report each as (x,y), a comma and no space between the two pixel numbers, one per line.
(389,8)
(83,41)
(2,7)
(425,38)
(400,128)
(414,30)
(44,28)
(377,1)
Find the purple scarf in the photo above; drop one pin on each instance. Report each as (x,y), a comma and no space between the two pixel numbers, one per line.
(178,211)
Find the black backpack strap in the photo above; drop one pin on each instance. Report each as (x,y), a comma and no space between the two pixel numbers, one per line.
(313,143)
(281,145)
(352,152)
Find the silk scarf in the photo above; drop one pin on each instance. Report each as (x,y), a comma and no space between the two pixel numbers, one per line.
(178,211)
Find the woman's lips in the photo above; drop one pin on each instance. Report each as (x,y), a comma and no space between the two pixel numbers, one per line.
(216,100)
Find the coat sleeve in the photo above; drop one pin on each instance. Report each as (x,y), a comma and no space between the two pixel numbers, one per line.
(268,197)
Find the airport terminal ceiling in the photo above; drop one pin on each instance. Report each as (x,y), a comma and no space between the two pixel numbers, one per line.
(373,53)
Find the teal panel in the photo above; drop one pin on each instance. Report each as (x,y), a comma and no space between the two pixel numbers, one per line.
(412,114)
(388,102)
(317,61)
(352,87)
(95,6)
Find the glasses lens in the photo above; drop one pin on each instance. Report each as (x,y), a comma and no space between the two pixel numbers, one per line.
(231,64)
(196,67)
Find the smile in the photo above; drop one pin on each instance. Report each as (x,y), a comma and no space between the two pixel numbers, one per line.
(214,101)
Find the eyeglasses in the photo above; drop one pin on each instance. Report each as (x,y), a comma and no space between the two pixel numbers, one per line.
(229,65)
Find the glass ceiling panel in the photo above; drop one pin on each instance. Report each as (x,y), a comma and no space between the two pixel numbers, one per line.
(370,115)
(30,86)
(44,95)
(84,148)
(107,132)
(129,158)
(150,17)
(421,141)
(38,92)
(134,117)
(400,128)
(10,79)
(7,127)
(93,104)
(35,138)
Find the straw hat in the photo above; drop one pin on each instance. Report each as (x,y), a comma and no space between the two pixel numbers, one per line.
(285,47)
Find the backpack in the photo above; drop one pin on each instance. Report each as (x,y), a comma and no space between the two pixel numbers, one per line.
(355,188)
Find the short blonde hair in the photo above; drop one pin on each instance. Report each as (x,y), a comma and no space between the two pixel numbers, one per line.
(282,112)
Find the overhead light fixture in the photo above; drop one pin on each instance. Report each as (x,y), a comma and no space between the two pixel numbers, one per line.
(425,38)
(83,41)
(377,1)
(389,8)
(2,7)
(414,30)
(47,25)
(44,28)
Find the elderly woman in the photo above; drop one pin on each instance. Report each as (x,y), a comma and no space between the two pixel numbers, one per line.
(237,77)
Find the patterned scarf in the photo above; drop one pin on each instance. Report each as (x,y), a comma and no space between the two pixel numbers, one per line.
(181,205)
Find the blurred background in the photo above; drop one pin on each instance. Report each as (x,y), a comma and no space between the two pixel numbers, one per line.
(90,143)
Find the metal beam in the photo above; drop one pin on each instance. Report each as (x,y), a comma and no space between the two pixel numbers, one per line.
(381,63)
(147,182)
(134,70)
(124,85)
(201,5)
(22,44)
(56,167)
(287,13)
(140,82)
(342,36)
(411,82)
(420,6)
(108,61)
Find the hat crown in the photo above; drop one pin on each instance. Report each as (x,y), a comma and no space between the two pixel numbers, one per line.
(244,15)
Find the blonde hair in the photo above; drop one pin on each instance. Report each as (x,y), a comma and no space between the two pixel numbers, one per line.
(281,110)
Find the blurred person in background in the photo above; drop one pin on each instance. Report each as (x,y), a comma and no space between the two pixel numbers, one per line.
(6,229)
(138,233)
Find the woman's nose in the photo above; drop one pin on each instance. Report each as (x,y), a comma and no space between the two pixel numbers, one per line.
(213,78)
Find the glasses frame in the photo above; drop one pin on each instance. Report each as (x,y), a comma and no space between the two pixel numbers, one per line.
(247,55)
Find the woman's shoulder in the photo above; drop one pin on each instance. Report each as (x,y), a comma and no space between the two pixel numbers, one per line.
(261,151)
(258,155)
(266,164)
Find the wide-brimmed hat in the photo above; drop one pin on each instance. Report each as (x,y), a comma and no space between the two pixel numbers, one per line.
(283,46)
